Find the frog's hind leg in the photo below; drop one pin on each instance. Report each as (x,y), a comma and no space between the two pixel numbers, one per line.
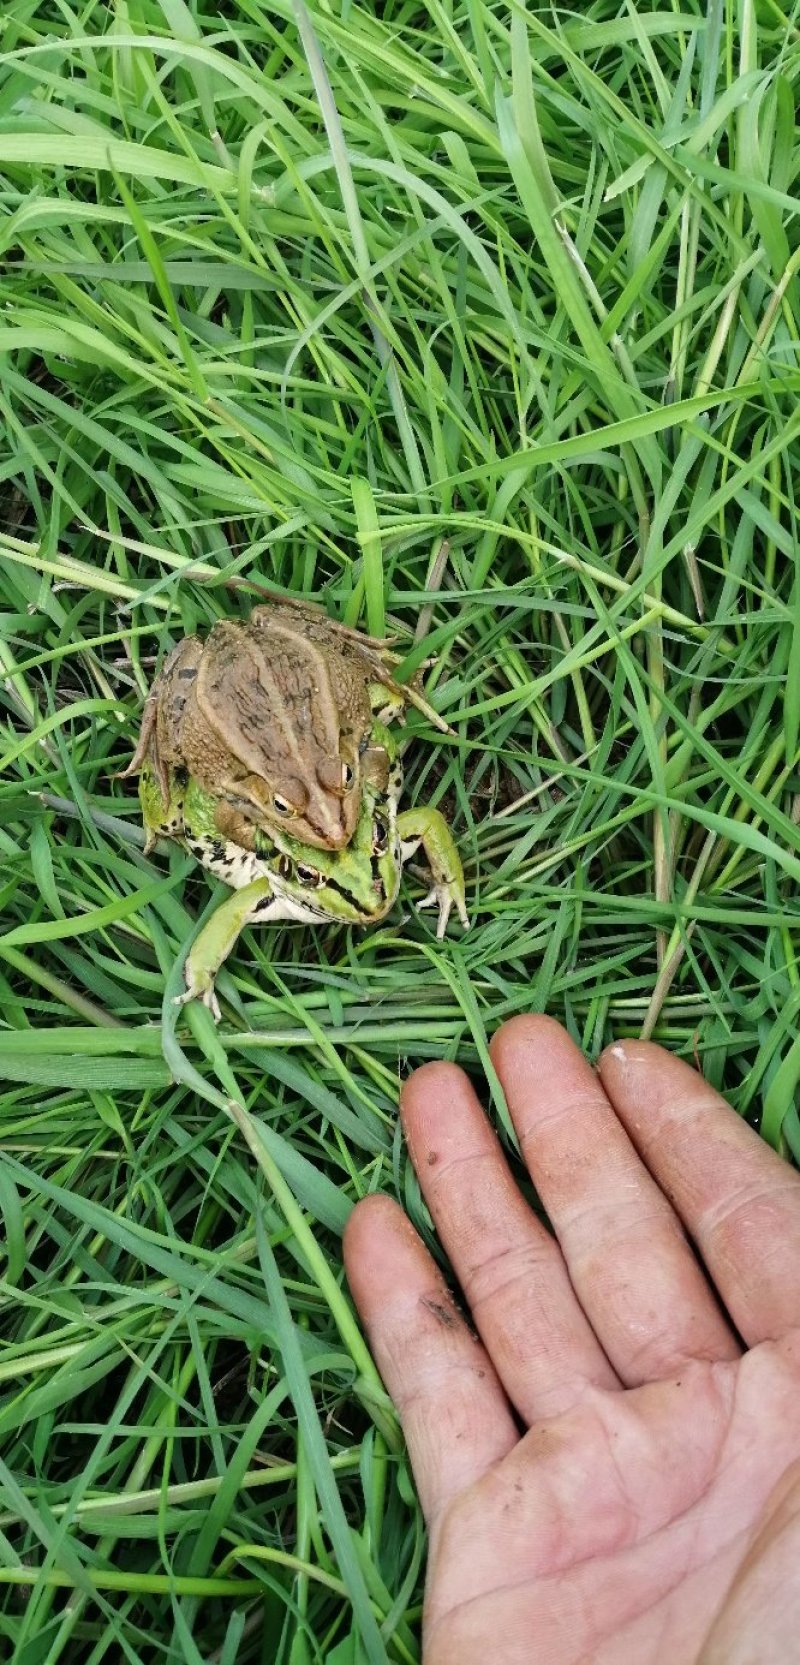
(150,747)
(149,717)
(298,604)
(429,828)
(390,698)
(162,814)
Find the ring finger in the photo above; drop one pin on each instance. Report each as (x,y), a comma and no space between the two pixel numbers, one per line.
(629,1261)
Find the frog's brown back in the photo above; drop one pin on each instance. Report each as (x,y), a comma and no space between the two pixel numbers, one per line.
(284,708)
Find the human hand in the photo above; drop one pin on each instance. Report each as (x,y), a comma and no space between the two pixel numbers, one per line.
(650,1509)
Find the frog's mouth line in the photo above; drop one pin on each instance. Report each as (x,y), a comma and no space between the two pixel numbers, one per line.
(306,901)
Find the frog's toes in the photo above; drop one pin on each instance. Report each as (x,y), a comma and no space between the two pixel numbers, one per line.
(443,895)
(200,986)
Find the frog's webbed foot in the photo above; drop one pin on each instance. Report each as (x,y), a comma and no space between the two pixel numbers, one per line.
(199,986)
(444,895)
(429,828)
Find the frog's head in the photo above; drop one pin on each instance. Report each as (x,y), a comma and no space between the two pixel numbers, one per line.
(355,885)
(318,808)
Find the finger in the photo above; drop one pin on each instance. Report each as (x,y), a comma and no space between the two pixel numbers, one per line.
(740,1202)
(631,1266)
(455,1416)
(509,1267)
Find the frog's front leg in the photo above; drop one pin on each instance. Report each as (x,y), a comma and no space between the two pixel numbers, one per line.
(429,828)
(214,943)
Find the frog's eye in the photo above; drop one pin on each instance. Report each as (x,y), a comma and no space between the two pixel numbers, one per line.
(283,806)
(348,776)
(380,838)
(309,876)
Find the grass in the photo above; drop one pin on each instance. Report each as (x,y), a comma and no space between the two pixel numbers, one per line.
(481,323)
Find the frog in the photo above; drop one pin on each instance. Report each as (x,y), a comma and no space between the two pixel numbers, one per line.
(270,714)
(348,871)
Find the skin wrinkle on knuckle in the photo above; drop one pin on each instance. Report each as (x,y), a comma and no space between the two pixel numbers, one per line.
(560,1113)
(723,1220)
(470,1209)
(639,1339)
(662,1121)
(510,1265)
(536,1358)
(774,1255)
(662,1351)
(517,1347)
(457,1409)
(673,1289)
(615,1225)
(439,1173)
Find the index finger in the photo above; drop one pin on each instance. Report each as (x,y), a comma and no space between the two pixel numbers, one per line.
(736,1197)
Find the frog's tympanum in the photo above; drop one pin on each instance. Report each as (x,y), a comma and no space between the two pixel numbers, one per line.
(267,752)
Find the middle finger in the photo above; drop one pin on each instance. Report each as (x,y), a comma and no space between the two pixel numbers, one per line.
(629,1261)
(509,1267)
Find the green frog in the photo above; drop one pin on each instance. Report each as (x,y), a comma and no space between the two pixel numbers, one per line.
(268,753)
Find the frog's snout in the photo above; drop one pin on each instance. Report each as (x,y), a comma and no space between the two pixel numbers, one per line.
(332,819)
(332,808)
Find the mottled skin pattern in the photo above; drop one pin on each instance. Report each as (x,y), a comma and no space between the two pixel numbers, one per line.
(357,886)
(273,714)
(264,715)
(274,875)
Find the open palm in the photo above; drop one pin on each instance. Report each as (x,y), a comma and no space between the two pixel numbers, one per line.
(611,1473)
